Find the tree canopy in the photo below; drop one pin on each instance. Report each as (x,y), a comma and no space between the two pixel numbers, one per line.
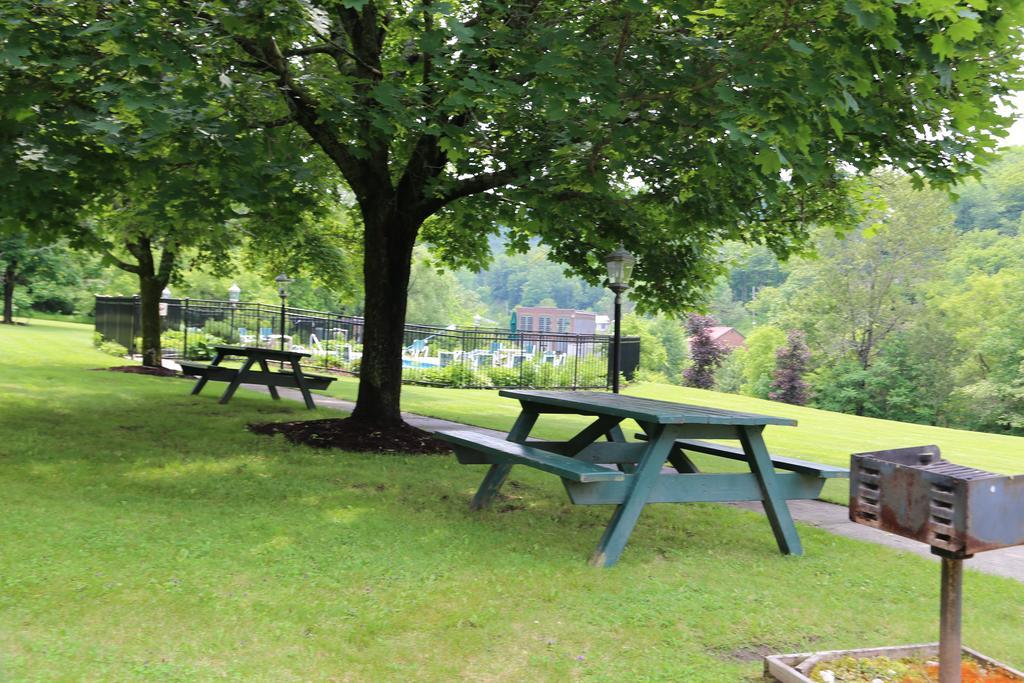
(669,128)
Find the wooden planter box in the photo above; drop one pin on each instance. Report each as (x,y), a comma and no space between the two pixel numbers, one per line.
(796,668)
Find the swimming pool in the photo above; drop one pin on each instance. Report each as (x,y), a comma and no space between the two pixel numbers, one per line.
(410,363)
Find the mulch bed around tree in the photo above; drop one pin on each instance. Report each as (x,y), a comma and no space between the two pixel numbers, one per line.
(143,370)
(352,435)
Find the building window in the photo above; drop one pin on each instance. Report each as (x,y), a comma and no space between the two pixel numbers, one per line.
(564,324)
(526,322)
(545,323)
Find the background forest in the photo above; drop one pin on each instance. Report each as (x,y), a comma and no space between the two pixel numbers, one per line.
(917,315)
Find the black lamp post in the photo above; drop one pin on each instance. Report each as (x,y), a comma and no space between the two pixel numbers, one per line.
(282,281)
(234,295)
(620,266)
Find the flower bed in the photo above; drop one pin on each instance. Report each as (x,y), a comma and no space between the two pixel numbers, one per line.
(902,664)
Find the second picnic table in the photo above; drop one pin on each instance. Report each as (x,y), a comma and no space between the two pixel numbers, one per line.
(254,355)
(670,430)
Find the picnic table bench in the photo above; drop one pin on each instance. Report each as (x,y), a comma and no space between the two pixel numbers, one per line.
(630,475)
(253,355)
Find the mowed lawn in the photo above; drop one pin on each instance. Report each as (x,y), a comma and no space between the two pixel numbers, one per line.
(148,536)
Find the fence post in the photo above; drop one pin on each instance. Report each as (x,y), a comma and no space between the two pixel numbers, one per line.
(184,343)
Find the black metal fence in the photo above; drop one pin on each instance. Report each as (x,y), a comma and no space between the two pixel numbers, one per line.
(471,357)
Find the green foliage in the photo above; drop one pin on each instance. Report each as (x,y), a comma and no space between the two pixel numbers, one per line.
(650,376)
(989,406)
(758,360)
(456,375)
(200,343)
(751,268)
(726,310)
(995,201)
(729,376)
(527,279)
(436,297)
(653,354)
(526,112)
(108,346)
(670,333)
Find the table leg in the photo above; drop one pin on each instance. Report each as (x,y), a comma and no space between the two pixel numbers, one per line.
(233,384)
(270,387)
(621,525)
(217,358)
(681,461)
(773,500)
(497,474)
(592,432)
(615,435)
(301,381)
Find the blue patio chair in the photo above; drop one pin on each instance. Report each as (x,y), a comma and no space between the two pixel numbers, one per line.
(418,347)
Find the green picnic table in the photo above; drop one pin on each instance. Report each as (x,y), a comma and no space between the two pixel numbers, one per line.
(632,474)
(294,377)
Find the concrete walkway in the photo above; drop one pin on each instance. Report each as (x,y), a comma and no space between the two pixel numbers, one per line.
(1008,562)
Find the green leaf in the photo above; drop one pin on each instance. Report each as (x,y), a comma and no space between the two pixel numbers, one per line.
(851,102)
(388,94)
(769,161)
(463,33)
(945,74)
(965,29)
(451,148)
(800,47)
(12,54)
(837,126)
(866,19)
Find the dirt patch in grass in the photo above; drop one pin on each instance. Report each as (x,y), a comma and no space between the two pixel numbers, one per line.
(751,653)
(351,435)
(143,370)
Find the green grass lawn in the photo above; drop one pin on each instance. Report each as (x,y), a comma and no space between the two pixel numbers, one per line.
(148,536)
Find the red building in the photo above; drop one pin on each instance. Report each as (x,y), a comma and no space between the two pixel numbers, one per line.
(548,319)
(726,337)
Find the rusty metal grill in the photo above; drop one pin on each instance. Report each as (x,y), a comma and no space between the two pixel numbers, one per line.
(957,510)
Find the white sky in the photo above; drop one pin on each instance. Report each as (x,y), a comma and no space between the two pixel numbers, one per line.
(1016,136)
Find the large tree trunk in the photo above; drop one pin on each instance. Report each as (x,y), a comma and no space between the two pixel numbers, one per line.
(387,264)
(150,288)
(152,280)
(9,272)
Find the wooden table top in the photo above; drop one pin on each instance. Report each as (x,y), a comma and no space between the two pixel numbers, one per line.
(260,351)
(641,409)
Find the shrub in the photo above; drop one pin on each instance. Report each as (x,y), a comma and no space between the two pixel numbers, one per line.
(217,328)
(645,375)
(504,377)
(788,384)
(108,346)
(706,354)
(200,344)
(113,348)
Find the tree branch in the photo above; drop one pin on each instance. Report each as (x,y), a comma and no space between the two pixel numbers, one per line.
(123,265)
(474,185)
(332,49)
(168,258)
(304,109)
(277,123)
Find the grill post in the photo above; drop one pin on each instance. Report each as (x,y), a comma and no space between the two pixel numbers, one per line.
(949,619)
